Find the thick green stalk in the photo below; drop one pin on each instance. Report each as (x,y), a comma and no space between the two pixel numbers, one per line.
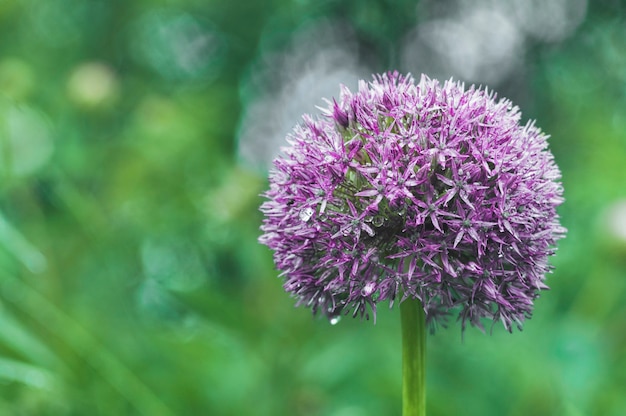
(413,358)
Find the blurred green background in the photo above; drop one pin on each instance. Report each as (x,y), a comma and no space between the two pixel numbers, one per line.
(134,143)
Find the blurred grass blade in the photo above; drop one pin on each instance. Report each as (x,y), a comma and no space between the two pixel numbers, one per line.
(33,376)
(79,339)
(18,337)
(14,242)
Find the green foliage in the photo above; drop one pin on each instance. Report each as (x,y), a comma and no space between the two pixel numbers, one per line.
(131,281)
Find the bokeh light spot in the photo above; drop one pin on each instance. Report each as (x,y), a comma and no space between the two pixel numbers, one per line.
(177,46)
(25,140)
(482,46)
(322,56)
(92,84)
(17,79)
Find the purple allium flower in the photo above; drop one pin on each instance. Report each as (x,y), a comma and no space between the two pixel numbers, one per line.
(415,190)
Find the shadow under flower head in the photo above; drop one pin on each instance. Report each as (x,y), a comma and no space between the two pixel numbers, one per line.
(421,190)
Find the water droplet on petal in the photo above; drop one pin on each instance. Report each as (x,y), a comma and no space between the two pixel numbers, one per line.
(368,289)
(306,214)
(378,221)
(334,320)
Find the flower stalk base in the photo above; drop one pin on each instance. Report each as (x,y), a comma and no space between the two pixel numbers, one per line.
(413,358)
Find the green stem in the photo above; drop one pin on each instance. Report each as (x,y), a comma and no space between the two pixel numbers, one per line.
(413,358)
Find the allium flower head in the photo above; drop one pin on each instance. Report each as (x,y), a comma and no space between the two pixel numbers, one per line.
(415,190)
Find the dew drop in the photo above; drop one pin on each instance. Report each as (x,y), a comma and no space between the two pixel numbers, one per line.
(306,214)
(378,221)
(368,289)
(334,320)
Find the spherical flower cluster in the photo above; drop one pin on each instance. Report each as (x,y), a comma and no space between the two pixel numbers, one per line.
(415,190)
